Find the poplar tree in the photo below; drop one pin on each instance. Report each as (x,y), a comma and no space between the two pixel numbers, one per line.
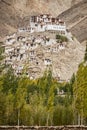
(80,92)
(85,57)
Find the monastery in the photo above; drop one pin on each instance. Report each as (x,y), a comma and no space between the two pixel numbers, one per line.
(46,22)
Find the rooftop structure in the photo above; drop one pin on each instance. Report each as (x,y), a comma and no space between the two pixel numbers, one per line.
(46,22)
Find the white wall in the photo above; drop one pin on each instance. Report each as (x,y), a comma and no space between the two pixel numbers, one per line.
(47,62)
(11,41)
(47,27)
(56,27)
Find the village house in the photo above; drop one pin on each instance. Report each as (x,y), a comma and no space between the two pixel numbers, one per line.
(11,36)
(46,22)
(47,62)
(10,41)
(37,50)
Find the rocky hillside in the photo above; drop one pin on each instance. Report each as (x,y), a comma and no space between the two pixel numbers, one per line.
(14,13)
(32,54)
(43,6)
(76,20)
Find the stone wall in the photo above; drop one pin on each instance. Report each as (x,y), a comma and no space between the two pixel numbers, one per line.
(43,128)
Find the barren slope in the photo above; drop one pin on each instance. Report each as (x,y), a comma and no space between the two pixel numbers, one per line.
(43,6)
(8,19)
(76,20)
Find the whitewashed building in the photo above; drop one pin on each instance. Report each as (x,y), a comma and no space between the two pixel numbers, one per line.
(46,22)
(47,62)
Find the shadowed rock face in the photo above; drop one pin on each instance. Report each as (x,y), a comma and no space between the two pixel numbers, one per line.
(14,13)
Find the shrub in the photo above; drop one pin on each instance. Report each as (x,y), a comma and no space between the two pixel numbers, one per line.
(61,38)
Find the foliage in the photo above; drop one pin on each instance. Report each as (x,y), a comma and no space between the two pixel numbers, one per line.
(61,38)
(2,49)
(33,102)
(43,101)
(80,88)
(85,57)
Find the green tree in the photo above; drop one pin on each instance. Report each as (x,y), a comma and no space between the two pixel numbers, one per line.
(80,95)
(21,98)
(2,66)
(61,38)
(34,102)
(9,110)
(10,81)
(2,104)
(85,57)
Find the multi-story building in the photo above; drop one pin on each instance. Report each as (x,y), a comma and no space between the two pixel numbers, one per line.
(46,22)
